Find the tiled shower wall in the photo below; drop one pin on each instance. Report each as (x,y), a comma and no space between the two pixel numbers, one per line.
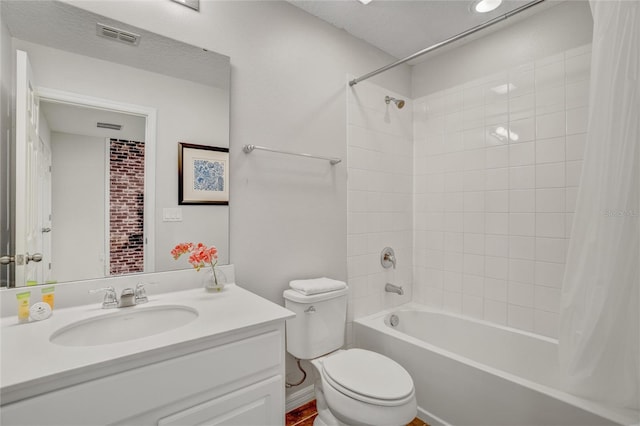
(497,168)
(380,199)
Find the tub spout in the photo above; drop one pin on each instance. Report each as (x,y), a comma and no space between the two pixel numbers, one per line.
(391,288)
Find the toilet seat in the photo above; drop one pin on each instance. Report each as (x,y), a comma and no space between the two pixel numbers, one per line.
(368,377)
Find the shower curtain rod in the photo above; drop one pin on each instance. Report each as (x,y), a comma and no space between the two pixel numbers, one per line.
(447,41)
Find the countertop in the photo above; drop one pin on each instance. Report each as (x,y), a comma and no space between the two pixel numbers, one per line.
(31,364)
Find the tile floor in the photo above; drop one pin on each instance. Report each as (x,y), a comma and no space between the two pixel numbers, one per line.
(304,415)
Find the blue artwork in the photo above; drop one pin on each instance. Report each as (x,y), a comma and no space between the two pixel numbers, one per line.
(208,175)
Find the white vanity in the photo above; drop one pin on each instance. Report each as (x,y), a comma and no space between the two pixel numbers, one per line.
(224,365)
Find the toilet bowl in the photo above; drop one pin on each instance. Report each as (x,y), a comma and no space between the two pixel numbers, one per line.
(360,387)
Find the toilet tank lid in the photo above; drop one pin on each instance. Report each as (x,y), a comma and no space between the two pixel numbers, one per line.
(296,296)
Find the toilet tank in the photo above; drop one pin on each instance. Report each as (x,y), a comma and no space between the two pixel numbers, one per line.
(319,325)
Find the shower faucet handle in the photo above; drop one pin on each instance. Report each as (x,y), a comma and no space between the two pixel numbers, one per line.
(388,258)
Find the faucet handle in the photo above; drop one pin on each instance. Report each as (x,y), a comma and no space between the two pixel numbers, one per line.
(388,258)
(110,298)
(141,293)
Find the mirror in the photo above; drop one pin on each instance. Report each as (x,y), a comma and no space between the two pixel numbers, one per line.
(89,69)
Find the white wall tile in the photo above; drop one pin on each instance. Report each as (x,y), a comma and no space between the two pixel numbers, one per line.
(575,146)
(521,270)
(571,195)
(520,317)
(493,210)
(549,100)
(521,154)
(496,267)
(549,274)
(551,249)
(496,179)
(474,201)
(522,224)
(549,74)
(577,120)
(452,302)
(550,150)
(473,243)
(550,125)
(577,94)
(522,200)
(550,200)
(522,247)
(577,68)
(522,177)
(573,172)
(547,298)
(546,323)
(495,311)
(521,294)
(522,79)
(453,242)
(522,130)
(473,264)
(496,245)
(550,225)
(496,223)
(550,175)
(496,157)
(472,306)
(496,201)
(495,289)
(452,281)
(522,107)
(472,285)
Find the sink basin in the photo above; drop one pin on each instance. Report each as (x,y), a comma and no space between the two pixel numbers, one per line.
(124,324)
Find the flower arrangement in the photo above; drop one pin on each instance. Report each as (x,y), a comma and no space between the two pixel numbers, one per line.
(199,255)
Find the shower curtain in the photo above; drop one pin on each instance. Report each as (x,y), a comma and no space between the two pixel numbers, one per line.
(599,327)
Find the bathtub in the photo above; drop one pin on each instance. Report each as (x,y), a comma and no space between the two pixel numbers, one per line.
(471,372)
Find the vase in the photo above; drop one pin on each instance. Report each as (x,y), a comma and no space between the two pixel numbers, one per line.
(213,280)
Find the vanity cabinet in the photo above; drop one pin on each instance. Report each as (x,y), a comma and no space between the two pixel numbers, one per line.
(234,380)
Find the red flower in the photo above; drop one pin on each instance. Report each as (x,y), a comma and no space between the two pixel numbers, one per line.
(199,254)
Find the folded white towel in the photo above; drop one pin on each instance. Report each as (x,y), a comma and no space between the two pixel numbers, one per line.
(316,285)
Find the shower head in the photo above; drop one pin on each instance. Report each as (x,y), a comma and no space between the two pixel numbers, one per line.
(399,102)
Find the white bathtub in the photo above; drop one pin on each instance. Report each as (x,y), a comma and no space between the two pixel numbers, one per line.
(469,372)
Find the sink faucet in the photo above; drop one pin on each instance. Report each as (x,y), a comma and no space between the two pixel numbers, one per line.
(391,288)
(128,297)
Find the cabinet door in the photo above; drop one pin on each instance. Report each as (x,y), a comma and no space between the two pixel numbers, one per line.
(252,405)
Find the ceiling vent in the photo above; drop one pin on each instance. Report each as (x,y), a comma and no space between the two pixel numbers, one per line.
(117,34)
(109,126)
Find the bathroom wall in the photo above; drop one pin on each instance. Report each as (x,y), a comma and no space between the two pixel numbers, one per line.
(380,198)
(288,81)
(498,155)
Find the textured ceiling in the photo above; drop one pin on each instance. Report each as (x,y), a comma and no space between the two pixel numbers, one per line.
(404,27)
(69,28)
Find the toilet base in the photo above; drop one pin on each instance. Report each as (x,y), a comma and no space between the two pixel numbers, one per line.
(324,417)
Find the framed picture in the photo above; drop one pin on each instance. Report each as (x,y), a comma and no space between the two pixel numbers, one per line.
(203,174)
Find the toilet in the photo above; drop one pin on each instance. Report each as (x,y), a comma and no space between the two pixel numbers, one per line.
(352,386)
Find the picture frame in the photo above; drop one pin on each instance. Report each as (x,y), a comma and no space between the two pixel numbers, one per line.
(203,174)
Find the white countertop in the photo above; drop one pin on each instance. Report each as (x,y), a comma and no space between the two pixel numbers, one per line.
(31,364)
